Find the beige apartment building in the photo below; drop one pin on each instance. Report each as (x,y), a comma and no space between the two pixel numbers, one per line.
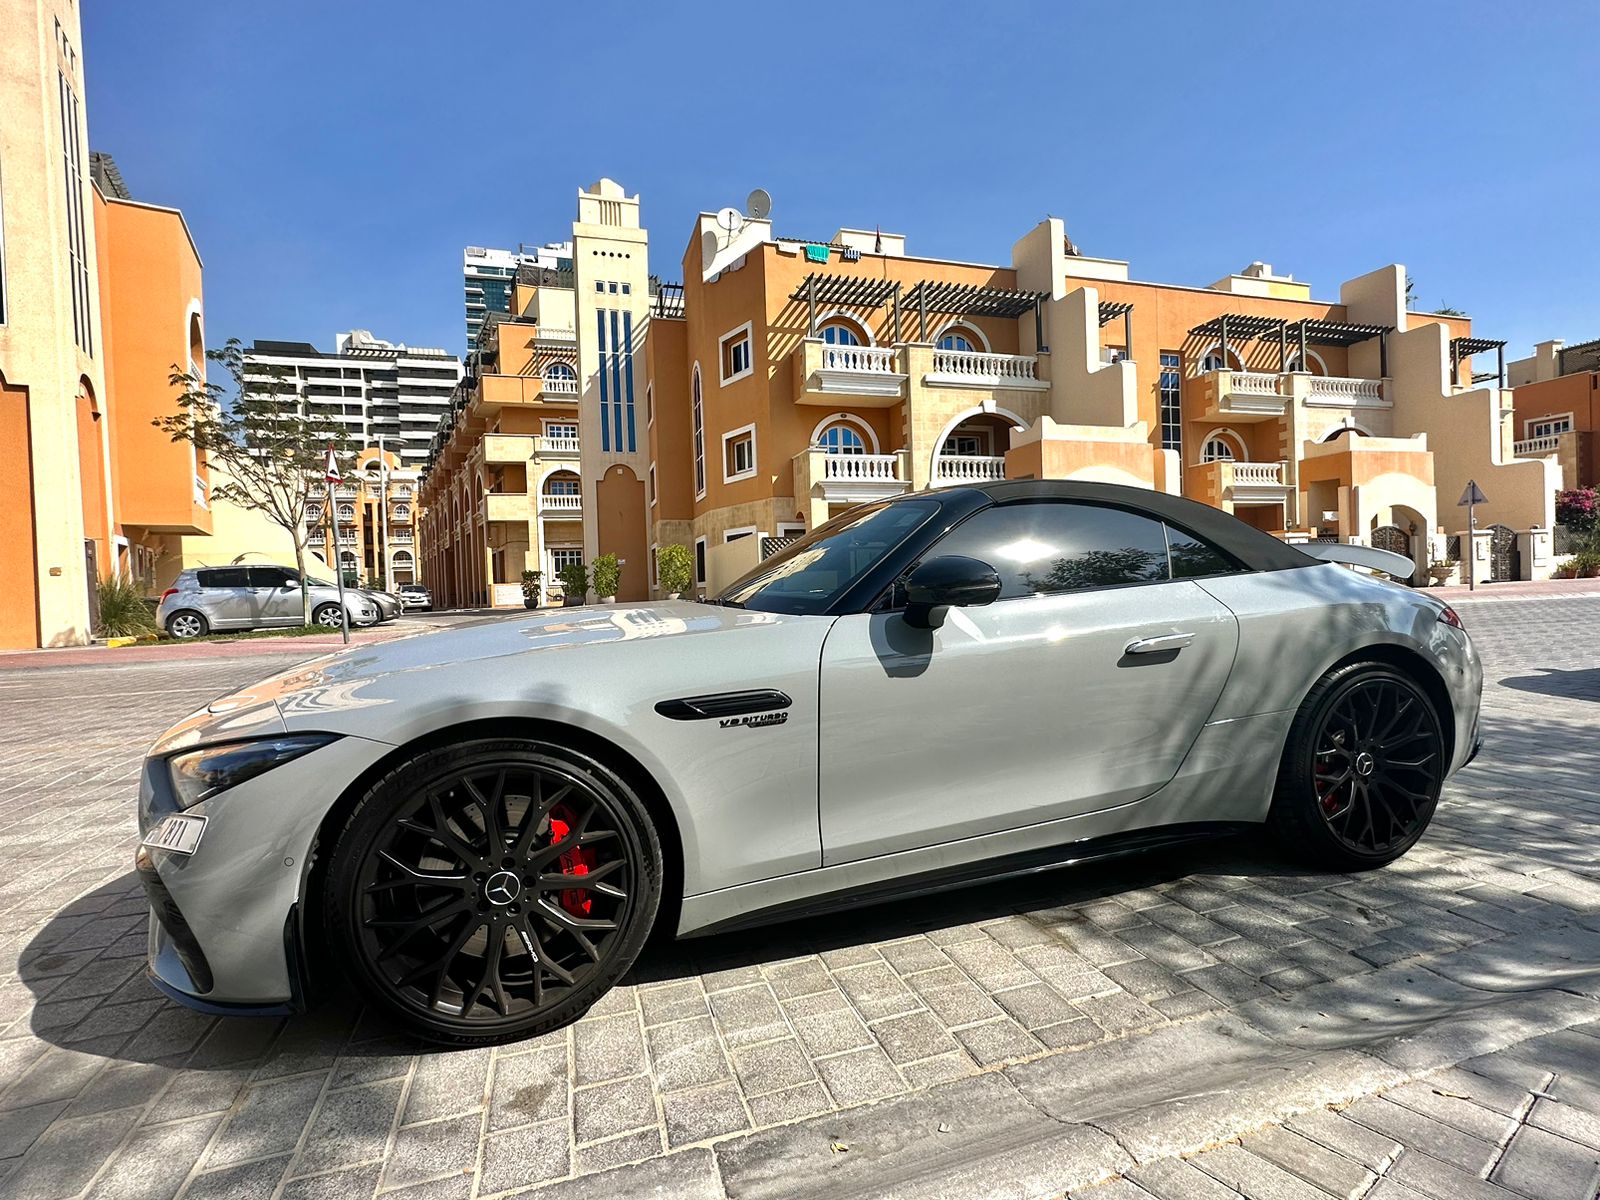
(371,531)
(100,295)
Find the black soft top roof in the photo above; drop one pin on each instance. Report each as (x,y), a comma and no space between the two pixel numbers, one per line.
(1257,550)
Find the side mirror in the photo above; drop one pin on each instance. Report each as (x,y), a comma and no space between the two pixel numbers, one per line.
(949,580)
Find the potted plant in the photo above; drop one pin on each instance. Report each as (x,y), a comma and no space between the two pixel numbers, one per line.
(607,574)
(1443,571)
(674,569)
(574,583)
(530,588)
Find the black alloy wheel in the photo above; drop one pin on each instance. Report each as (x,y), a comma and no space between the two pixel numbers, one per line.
(1363,768)
(493,890)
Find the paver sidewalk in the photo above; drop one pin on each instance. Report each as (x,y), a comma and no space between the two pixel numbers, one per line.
(1017,1041)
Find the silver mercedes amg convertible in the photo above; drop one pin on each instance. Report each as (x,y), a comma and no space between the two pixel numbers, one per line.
(480,827)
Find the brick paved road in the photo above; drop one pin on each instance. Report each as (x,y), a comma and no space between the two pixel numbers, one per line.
(1061,1019)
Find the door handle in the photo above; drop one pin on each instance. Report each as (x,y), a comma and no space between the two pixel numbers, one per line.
(1159,645)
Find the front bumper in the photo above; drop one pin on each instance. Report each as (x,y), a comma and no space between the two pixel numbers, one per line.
(227,922)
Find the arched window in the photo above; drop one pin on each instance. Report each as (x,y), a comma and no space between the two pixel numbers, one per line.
(956,341)
(560,377)
(842,439)
(839,332)
(1313,363)
(347,512)
(1218,449)
(564,484)
(402,512)
(402,558)
(347,559)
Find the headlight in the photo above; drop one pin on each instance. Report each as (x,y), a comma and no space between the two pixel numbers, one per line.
(205,772)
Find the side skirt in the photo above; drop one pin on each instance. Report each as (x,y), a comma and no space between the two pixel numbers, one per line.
(1011,866)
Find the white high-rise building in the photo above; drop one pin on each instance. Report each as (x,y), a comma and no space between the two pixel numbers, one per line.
(488,274)
(370,387)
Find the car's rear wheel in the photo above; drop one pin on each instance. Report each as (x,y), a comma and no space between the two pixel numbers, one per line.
(330,615)
(187,624)
(1362,769)
(492,890)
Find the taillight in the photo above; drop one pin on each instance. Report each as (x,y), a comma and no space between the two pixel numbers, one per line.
(1451,617)
(165,594)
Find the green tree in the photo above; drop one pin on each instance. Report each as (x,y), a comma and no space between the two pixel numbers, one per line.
(607,574)
(674,568)
(269,453)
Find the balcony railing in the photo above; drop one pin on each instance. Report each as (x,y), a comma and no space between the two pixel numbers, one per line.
(557,445)
(1547,444)
(972,368)
(1258,473)
(401,537)
(1350,393)
(968,468)
(859,467)
(1254,383)
(560,502)
(873,359)
(561,387)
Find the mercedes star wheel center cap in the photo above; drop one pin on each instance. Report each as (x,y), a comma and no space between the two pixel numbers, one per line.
(503,888)
(1365,764)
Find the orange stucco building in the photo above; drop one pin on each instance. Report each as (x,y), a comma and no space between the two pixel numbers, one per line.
(1558,408)
(787,379)
(100,299)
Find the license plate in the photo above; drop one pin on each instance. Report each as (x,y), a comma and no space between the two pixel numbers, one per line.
(179,833)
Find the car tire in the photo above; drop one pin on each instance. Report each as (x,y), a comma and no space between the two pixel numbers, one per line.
(1362,769)
(328,615)
(467,946)
(186,623)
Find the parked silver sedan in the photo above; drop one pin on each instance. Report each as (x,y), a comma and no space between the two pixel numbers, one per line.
(221,599)
(481,826)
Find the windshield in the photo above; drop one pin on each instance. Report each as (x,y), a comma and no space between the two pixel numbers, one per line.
(811,574)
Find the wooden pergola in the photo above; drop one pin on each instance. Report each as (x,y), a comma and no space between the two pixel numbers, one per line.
(942,298)
(1245,327)
(1110,310)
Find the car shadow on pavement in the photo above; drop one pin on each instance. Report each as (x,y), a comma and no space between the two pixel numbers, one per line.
(1582,684)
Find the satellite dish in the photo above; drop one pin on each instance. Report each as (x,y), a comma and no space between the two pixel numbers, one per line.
(759,204)
(730,218)
(708,246)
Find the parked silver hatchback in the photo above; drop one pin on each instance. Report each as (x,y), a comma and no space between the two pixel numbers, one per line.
(203,599)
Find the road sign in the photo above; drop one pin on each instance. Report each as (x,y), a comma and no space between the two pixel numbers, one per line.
(1470,499)
(331,473)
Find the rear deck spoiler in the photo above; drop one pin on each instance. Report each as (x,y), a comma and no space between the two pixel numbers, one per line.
(1387,561)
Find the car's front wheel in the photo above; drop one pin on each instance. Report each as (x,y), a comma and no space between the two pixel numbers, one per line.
(329,615)
(492,890)
(1362,769)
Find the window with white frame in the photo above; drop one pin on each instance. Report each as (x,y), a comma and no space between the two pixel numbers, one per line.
(699,417)
(842,439)
(652,485)
(840,333)
(739,454)
(1217,449)
(700,561)
(562,557)
(1549,426)
(735,353)
(733,535)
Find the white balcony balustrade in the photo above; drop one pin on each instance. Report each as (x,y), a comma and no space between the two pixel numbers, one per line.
(878,360)
(1258,474)
(1533,447)
(1344,393)
(560,502)
(1254,383)
(977,368)
(561,387)
(557,445)
(876,467)
(968,468)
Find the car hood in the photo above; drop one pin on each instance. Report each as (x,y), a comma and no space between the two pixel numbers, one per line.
(305,696)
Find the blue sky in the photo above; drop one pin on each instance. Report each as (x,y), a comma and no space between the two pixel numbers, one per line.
(333,159)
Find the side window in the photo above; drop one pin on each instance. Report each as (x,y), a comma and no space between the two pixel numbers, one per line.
(1048,547)
(269,577)
(1192,558)
(224,577)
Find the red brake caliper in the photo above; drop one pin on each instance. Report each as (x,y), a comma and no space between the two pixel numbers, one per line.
(576,861)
